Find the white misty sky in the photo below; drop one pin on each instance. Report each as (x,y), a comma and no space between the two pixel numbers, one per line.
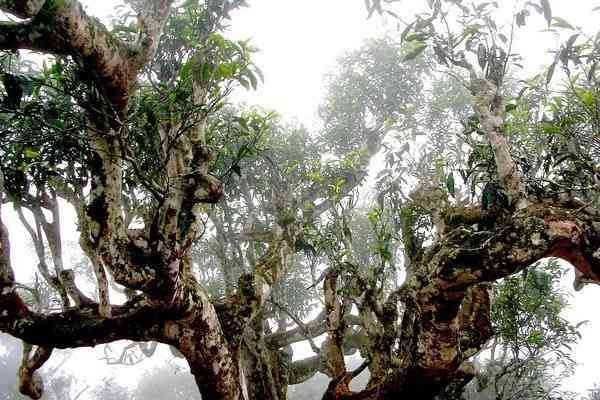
(299,42)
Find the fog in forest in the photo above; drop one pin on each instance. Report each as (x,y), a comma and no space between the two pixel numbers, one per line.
(271,200)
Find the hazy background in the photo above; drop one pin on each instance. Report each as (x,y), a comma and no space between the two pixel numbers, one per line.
(299,42)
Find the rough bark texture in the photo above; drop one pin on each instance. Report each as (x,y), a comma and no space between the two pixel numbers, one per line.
(416,341)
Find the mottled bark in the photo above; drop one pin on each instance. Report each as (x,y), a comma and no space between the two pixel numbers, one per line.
(30,382)
(445,304)
(265,369)
(446,317)
(63,28)
(489,106)
(22,8)
(205,346)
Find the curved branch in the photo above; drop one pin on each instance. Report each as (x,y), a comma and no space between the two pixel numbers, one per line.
(445,293)
(23,9)
(135,320)
(489,107)
(30,383)
(63,28)
(84,327)
(352,178)
(304,369)
(314,328)
(305,330)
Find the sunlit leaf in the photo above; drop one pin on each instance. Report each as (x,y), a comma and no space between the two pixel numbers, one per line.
(562,23)
(418,48)
(587,97)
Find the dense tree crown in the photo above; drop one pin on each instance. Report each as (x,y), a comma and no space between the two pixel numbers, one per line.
(230,235)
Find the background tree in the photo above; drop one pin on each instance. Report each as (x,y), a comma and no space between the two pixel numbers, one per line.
(59,385)
(530,354)
(214,218)
(163,383)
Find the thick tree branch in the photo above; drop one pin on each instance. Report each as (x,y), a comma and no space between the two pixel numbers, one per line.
(22,8)
(63,28)
(489,107)
(68,279)
(445,303)
(308,334)
(152,15)
(304,369)
(30,383)
(334,310)
(135,320)
(353,177)
(83,327)
(14,36)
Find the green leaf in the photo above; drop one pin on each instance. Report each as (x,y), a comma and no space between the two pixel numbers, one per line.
(206,71)
(218,40)
(253,80)
(571,41)
(244,82)
(562,23)
(419,47)
(225,71)
(31,153)
(587,97)
(480,8)
(418,37)
(550,73)
(450,184)
(260,74)
(520,17)
(547,11)
(376,6)
(491,196)
(186,70)
(16,86)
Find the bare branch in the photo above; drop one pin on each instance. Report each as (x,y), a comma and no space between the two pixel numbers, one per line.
(306,332)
